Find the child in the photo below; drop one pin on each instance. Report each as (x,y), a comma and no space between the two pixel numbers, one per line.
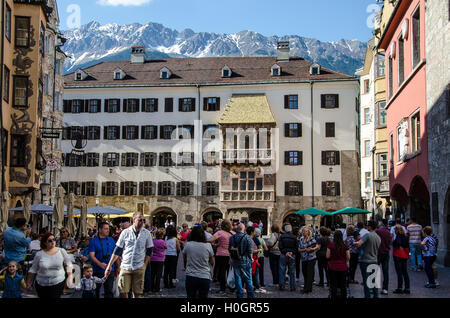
(157,260)
(88,283)
(12,281)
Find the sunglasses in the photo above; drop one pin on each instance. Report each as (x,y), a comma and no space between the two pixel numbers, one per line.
(141,220)
(51,241)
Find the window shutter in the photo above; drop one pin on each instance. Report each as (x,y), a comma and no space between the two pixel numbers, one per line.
(83,160)
(216,188)
(135,185)
(83,188)
(138,104)
(218,103)
(203,188)
(300,130)
(142,159)
(286,157)
(136,132)
(153,188)
(67,106)
(125,105)
(159,188)
(172,188)
(136,159)
(97,133)
(86,105)
(300,187)
(106,106)
(95,188)
(118,133)
(103,188)
(143,104)
(116,188)
(105,155)
(322,103)
(180,104)
(205,103)
(338,188)
(161,132)
(122,188)
(286,188)
(324,157)
(156,104)
(338,158)
(161,159)
(178,188)
(193,104)
(155,132)
(168,105)
(85,132)
(153,163)
(337,101)
(286,130)
(324,188)
(141,188)
(124,132)
(124,159)
(143,136)
(286,101)
(105,132)
(191,188)
(300,157)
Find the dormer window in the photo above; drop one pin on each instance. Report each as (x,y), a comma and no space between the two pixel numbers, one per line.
(119,74)
(314,69)
(164,73)
(276,70)
(80,75)
(226,71)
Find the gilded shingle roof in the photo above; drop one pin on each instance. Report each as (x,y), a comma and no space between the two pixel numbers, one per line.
(247,109)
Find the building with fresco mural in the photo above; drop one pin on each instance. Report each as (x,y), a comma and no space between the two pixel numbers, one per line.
(205,138)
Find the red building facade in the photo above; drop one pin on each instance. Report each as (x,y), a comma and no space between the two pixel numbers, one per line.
(403,41)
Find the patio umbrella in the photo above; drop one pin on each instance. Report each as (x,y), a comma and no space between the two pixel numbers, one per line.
(313,212)
(70,221)
(106,210)
(27,208)
(4,212)
(83,218)
(58,212)
(351,211)
(44,209)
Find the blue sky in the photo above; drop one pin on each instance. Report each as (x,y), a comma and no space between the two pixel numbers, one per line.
(326,20)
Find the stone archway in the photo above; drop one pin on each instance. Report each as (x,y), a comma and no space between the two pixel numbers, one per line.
(211,215)
(294,219)
(420,201)
(160,216)
(257,215)
(399,199)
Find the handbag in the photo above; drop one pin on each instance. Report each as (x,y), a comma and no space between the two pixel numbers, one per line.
(230,279)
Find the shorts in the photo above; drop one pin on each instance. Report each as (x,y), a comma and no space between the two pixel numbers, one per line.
(132,280)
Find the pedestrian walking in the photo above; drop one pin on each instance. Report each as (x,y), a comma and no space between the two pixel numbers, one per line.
(261,258)
(12,281)
(241,251)
(322,260)
(401,255)
(288,245)
(199,257)
(429,252)
(171,257)
(383,253)
(274,254)
(89,283)
(308,247)
(369,244)
(48,269)
(16,241)
(157,260)
(101,248)
(135,246)
(415,248)
(353,264)
(338,255)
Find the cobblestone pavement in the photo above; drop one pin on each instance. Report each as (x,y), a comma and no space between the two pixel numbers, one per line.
(418,280)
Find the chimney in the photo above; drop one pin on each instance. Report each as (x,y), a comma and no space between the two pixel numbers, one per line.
(137,55)
(283,51)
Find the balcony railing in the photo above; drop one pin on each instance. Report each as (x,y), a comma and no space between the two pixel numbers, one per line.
(264,156)
(236,195)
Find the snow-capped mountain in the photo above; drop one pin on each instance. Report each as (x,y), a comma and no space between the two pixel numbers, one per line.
(93,43)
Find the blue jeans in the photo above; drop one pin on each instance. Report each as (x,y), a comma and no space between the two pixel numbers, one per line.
(274,261)
(429,260)
(365,276)
(243,274)
(383,261)
(416,251)
(290,263)
(256,282)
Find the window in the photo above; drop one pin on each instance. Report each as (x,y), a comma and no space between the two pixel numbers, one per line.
(74,187)
(293,130)
(330,101)
(185,188)
(93,159)
(366,86)
(146,188)
(148,159)
(331,158)
(225,73)
(18,146)
(77,106)
(93,133)
(382,165)
(165,159)
(6,76)
(130,132)
(166,131)
(235,184)
(165,188)
(128,188)
(78,75)
(164,75)
(331,188)
(131,105)
(210,132)
(276,70)
(94,106)
(8,23)
(293,188)
(20,91)
(150,105)
(71,160)
(330,129)
(117,76)
(368,180)
(110,188)
(291,101)
(149,132)
(110,159)
(401,61)
(366,115)
(381,65)
(168,105)
(293,158)
(111,132)
(22,32)
(415,133)
(90,189)
(112,105)
(416,38)
(211,158)
(185,132)
(366,148)
(186,105)
(185,159)
(210,188)
(391,79)
(130,159)
(391,140)
(211,104)
(381,109)
(248,182)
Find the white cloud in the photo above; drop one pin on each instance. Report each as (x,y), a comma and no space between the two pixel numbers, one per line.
(125,3)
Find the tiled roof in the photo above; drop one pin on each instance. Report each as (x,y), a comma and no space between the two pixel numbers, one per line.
(247,109)
(202,71)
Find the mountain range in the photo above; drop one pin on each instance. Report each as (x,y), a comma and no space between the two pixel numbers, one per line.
(93,43)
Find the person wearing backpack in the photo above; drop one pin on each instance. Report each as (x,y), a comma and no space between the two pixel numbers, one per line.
(288,245)
(241,250)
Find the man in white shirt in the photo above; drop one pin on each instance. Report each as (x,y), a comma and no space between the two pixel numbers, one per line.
(135,246)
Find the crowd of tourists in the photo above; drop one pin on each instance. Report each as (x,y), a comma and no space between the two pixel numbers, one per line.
(131,260)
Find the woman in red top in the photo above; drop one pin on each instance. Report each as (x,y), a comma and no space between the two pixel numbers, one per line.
(183,236)
(338,255)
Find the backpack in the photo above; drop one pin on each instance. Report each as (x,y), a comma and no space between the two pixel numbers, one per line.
(235,249)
